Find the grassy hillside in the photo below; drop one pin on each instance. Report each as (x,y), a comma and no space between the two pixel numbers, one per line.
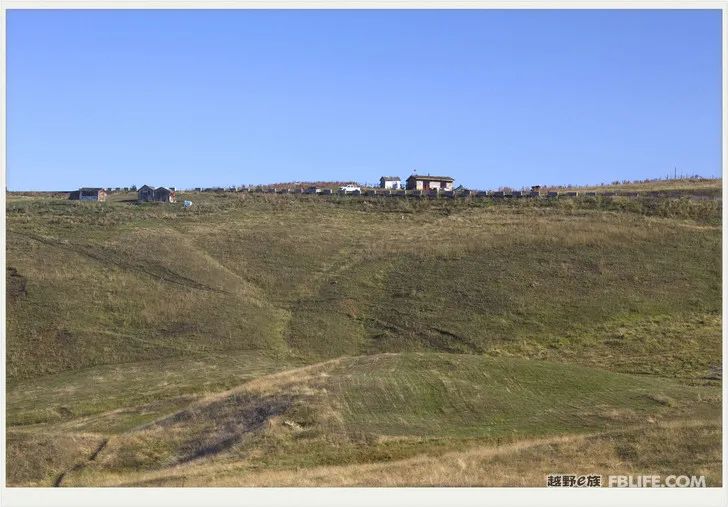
(433,325)
(677,186)
(299,278)
(654,449)
(384,408)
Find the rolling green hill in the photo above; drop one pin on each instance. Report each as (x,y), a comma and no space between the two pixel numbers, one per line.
(349,330)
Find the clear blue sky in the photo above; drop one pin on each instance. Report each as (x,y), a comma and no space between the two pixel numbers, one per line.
(492,98)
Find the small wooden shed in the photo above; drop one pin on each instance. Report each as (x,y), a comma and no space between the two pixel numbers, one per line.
(88,194)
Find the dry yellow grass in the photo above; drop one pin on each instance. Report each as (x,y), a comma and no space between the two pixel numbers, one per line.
(660,448)
(38,459)
(684,184)
(523,463)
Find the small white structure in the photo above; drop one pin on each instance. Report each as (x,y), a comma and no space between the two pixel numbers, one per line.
(390,182)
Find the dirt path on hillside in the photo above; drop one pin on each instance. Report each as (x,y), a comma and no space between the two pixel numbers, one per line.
(78,466)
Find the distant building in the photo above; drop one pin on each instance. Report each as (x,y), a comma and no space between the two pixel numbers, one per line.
(390,182)
(145,194)
(88,194)
(417,182)
(163,194)
(159,194)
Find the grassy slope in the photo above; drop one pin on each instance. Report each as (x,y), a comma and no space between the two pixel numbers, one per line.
(652,449)
(298,278)
(132,312)
(389,407)
(689,186)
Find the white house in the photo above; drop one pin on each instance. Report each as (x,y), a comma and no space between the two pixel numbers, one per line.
(390,182)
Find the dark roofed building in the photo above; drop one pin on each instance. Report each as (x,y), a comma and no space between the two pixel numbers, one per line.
(89,194)
(159,194)
(417,182)
(145,194)
(163,194)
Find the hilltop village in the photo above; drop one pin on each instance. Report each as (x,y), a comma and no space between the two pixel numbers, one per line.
(414,186)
